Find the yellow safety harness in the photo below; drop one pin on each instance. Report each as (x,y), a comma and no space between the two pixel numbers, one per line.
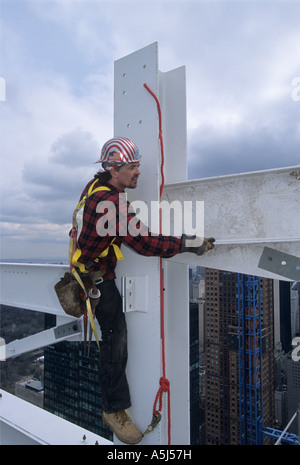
(75,252)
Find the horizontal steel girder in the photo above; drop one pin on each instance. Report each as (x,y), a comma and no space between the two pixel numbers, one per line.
(245,213)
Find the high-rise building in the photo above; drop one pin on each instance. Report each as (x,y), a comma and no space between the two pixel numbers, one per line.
(281,406)
(71,385)
(222,415)
(285,315)
(293,390)
(194,374)
(295,309)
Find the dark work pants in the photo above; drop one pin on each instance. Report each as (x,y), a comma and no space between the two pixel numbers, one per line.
(113,349)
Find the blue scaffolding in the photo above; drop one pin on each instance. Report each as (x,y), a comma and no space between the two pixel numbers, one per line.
(250,360)
(284,437)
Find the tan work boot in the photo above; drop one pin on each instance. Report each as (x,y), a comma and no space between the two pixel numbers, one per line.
(123,427)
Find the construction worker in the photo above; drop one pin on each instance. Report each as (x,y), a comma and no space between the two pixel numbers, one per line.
(120,161)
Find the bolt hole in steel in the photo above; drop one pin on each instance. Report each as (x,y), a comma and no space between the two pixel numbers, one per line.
(283,262)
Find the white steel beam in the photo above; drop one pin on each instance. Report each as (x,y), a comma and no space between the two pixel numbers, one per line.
(31,286)
(22,423)
(136,117)
(68,331)
(245,213)
(176,286)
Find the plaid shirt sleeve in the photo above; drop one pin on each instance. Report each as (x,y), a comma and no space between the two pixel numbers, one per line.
(108,215)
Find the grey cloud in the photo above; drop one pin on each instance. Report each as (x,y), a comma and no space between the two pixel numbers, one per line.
(27,209)
(52,184)
(47,181)
(62,174)
(262,144)
(76,148)
(250,150)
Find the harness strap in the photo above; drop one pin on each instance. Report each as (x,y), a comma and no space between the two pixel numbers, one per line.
(117,251)
(88,306)
(74,253)
(81,202)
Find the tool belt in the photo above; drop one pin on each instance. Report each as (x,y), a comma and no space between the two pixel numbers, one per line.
(72,296)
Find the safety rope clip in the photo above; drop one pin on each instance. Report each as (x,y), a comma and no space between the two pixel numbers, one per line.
(155,420)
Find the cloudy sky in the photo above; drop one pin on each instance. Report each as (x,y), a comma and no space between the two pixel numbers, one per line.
(242,63)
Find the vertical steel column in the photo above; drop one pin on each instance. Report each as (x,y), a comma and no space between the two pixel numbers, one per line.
(136,116)
(176,286)
(250,360)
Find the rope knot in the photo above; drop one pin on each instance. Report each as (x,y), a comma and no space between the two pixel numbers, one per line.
(164,384)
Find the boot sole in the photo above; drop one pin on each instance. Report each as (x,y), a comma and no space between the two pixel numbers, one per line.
(122,439)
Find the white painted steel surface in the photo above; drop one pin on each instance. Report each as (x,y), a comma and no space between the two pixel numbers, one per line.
(22,423)
(136,117)
(176,293)
(174,124)
(43,339)
(178,348)
(245,212)
(31,286)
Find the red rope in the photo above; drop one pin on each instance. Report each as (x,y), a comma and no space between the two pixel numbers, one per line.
(163,382)
(160,135)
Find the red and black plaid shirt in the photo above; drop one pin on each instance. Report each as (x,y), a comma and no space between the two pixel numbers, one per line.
(116,217)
